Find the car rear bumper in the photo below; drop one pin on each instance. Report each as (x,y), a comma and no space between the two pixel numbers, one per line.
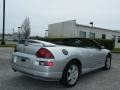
(32,68)
(45,76)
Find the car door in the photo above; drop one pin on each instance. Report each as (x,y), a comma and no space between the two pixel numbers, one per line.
(96,55)
(88,52)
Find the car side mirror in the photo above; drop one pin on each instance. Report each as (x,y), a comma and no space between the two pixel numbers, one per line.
(102,47)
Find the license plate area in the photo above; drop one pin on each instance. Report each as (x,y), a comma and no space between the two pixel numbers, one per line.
(22,61)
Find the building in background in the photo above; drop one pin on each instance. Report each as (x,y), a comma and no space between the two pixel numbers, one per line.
(15,36)
(7,37)
(70,29)
(18,36)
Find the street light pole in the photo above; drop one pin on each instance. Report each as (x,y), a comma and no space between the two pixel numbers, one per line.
(3,35)
(92,25)
(19,28)
(46,32)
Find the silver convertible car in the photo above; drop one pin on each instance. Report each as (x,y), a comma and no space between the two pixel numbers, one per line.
(64,60)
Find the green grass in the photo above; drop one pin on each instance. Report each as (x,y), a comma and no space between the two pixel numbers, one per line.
(6,40)
(116,50)
(8,45)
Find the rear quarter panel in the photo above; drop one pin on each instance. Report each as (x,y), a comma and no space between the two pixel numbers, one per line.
(80,54)
(62,60)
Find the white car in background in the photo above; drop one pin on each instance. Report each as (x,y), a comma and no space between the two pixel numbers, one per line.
(64,61)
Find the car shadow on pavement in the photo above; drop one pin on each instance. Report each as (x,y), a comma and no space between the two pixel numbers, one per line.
(24,82)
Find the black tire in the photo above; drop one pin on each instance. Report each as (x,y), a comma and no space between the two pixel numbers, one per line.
(107,62)
(65,75)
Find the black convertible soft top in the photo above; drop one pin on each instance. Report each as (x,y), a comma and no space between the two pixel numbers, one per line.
(77,42)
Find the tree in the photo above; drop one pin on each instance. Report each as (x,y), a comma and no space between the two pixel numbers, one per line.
(26,27)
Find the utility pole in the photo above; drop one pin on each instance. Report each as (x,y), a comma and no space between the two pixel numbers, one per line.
(3,35)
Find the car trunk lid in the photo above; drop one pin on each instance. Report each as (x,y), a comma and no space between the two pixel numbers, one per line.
(32,46)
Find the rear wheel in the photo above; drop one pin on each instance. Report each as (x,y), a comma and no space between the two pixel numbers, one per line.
(70,74)
(108,63)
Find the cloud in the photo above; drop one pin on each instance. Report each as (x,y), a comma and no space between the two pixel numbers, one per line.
(104,13)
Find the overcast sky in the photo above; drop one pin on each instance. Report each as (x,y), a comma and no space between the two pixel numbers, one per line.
(104,13)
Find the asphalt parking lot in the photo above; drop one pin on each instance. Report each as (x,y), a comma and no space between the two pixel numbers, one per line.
(97,80)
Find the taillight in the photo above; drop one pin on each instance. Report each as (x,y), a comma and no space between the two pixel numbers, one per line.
(15,49)
(46,63)
(44,53)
